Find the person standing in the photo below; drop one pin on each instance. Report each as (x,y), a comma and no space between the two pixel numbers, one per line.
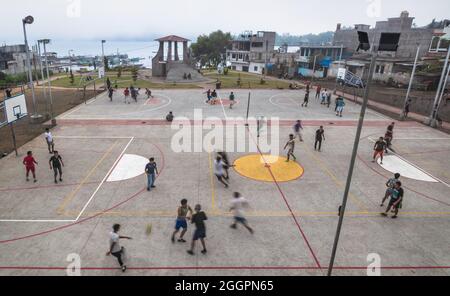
(324,96)
(49,140)
(198,219)
(320,136)
(379,148)
(181,222)
(329,99)
(208,95)
(126,94)
(406,110)
(389,136)
(170,117)
(56,164)
(29,163)
(306,100)
(237,208)
(219,170)
(298,127)
(340,107)
(390,184)
(110,93)
(232,100)
(108,83)
(291,145)
(396,200)
(148,92)
(318,90)
(114,246)
(151,169)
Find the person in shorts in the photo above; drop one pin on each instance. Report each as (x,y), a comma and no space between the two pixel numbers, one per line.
(181,222)
(291,145)
(379,148)
(56,163)
(232,100)
(219,170)
(198,219)
(237,208)
(389,136)
(49,140)
(29,163)
(396,200)
(320,136)
(390,184)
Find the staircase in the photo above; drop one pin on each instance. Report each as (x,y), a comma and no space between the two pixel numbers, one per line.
(178,69)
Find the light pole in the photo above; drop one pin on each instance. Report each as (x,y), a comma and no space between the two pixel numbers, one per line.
(103,59)
(432,119)
(70,60)
(42,69)
(28,21)
(340,60)
(45,42)
(402,116)
(314,68)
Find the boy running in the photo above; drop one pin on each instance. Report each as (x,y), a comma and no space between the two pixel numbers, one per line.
(219,170)
(29,163)
(237,208)
(390,184)
(320,135)
(126,94)
(55,163)
(298,127)
(151,169)
(291,145)
(227,165)
(114,245)
(306,100)
(396,200)
(318,90)
(389,136)
(198,219)
(379,148)
(50,142)
(181,221)
(110,93)
(232,100)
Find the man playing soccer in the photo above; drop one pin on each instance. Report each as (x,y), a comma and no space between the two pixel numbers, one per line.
(55,163)
(291,145)
(396,200)
(29,163)
(198,219)
(181,221)
(379,148)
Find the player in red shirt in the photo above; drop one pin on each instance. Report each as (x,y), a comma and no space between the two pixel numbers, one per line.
(29,163)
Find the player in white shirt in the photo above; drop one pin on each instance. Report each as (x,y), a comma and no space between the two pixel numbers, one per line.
(237,208)
(50,142)
(114,246)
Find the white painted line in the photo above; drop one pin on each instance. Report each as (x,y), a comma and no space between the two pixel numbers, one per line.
(89,137)
(223,108)
(420,169)
(104,179)
(433,139)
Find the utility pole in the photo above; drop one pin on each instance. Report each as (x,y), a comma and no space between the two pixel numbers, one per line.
(28,21)
(431,121)
(45,42)
(402,116)
(314,69)
(103,62)
(42,69)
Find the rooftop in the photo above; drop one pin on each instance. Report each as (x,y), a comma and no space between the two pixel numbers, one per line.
(173,38)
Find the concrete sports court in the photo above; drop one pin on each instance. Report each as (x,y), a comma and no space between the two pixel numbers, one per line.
(105,146)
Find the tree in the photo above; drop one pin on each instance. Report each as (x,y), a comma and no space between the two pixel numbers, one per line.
(210,50)
(119,72)
(134,73)
(105,60)
(72,78)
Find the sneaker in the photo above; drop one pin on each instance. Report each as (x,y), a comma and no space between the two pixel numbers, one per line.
(382,205)
(56,182)
(60,180)
(384,214)
(28,180)
(153,186)
(35,180)
(124,268)
(190,252)
(173,239)
(234,226)
(394,217)
(204,251)
(181,240)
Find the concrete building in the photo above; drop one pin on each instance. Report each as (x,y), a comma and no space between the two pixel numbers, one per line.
(13,59)
(251,52)
(168,55)
(393,67)
(324,56)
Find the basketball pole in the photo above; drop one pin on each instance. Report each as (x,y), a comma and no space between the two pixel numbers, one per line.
(352,163)
(14,138)
(248,107)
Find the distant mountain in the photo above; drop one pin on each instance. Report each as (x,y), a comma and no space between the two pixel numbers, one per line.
(291,40)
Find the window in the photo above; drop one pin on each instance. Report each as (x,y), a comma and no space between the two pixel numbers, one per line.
(382,69)
(257,44)
(255,69)
(240,56)
(233,56)
(260,56)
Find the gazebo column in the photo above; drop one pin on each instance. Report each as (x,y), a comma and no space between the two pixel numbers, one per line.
(185,51)
(177,57)
(161,50)
(169,53)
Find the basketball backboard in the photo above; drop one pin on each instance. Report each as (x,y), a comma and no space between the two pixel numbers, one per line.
(15,108)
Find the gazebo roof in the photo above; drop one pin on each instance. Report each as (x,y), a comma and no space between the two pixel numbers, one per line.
(173,38)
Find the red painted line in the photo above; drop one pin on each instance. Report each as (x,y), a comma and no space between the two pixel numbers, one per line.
(287,204)
(88,218)
(44,187)
(228,268)
(408,188)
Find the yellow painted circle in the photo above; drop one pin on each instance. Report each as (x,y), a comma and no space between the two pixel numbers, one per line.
(268,167)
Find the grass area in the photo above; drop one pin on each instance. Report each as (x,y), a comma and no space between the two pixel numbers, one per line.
(152,85)
(65,82)
(248,80)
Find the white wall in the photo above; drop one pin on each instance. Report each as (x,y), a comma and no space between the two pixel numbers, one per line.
(260,67)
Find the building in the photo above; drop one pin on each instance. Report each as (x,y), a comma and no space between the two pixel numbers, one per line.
(13,59)
(317,59)
(251,52)
(394,67)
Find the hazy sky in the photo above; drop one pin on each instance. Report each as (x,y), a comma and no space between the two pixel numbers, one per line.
(146,19)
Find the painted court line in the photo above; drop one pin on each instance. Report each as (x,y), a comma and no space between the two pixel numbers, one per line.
(104,179)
